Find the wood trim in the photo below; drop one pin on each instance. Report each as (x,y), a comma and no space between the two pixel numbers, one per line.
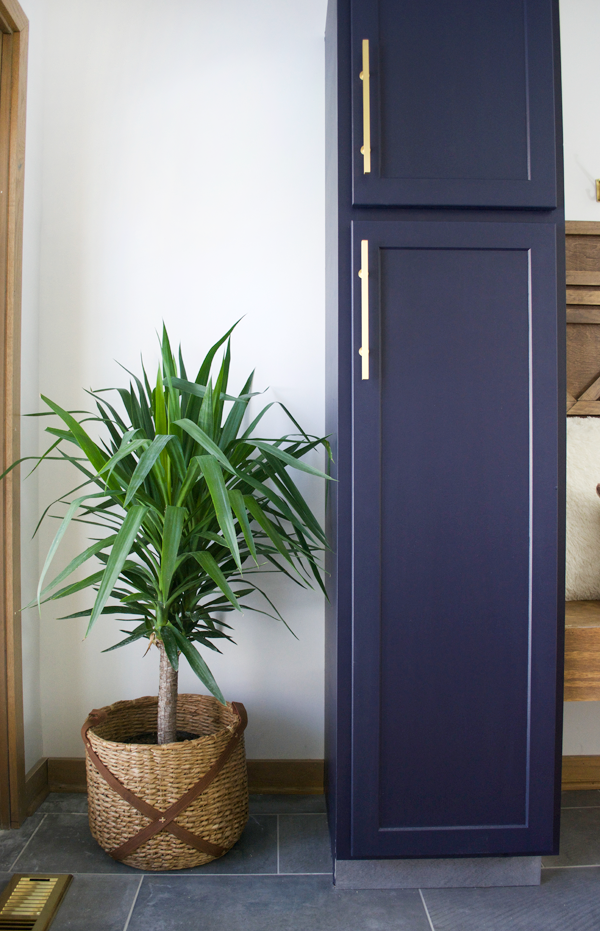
(268,777)
(36,786)
(13,77)
(286,777)
(580,772)
(66,774)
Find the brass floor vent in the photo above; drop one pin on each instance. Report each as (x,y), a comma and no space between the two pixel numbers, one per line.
(30,902)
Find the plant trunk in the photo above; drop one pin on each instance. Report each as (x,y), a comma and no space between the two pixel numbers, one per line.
(167,700)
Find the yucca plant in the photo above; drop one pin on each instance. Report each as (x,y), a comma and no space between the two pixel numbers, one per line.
(190,506)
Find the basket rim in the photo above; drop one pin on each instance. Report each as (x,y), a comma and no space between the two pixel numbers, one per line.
(177,745)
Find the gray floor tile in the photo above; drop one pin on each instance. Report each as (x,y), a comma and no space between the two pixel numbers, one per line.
(97,903)
(65,801)
(567,900)
(286,804)
(304,845)
(63,844)
(579,838)
(285,903)
(255,852)
(581,799)
(12,842)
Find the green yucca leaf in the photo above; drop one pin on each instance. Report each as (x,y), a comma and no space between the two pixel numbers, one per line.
(73,565)
(145,464)
(86,444)
(210,566)
(218,492)
(174,519)
(236,499)
(136,635)
(197,663)
(203,440)
(170,642)
(202,377)
(293,461)
(121,549)
(72,509)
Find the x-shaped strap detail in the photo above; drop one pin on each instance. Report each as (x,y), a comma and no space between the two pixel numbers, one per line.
(164,820)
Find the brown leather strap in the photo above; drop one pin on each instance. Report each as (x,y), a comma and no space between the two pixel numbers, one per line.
(159,820)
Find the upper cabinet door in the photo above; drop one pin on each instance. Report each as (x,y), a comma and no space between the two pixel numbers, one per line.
(458,99)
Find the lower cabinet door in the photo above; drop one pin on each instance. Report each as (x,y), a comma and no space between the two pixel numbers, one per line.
(457,593)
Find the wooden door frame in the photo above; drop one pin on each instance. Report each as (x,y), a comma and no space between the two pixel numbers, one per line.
(14,30)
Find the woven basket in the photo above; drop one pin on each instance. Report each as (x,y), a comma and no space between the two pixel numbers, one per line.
(161,775)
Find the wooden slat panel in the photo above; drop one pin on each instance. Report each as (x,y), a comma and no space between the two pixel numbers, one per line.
(580,772)
(583,314)
(585,409)
(592,393)
(583,357)
(582,227)
(583,253)
(582,296)
(582,651)
(582,614)
(583,278)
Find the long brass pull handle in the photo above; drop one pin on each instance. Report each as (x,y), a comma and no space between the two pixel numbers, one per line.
(364,306)
(365,78)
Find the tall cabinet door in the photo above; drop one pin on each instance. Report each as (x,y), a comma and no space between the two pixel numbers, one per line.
(458,104)
(455,522)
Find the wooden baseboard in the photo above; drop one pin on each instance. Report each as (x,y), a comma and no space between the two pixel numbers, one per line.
(286,777)
(36,786)
(268,777)
(580,772)
(66,774)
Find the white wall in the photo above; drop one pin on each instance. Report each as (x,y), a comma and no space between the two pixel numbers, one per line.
(580,27)
(175,171)
(30,382)
(579,24)
(183,180)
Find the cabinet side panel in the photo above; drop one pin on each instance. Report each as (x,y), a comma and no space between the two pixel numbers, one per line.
(331,408)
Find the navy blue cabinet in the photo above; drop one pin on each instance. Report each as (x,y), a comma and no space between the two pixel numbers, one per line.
(460,103)
(446,614)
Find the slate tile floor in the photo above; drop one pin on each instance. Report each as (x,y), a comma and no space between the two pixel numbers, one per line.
(278,878)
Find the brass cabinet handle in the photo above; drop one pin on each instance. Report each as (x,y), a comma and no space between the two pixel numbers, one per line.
(365,78)
(364,306)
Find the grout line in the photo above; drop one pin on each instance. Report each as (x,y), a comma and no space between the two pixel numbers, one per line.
(169,875)
(84,813)
(278,845)
(573,866)
(291,814)
(22,851)
(426,910)
(137,892)
(580,807)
